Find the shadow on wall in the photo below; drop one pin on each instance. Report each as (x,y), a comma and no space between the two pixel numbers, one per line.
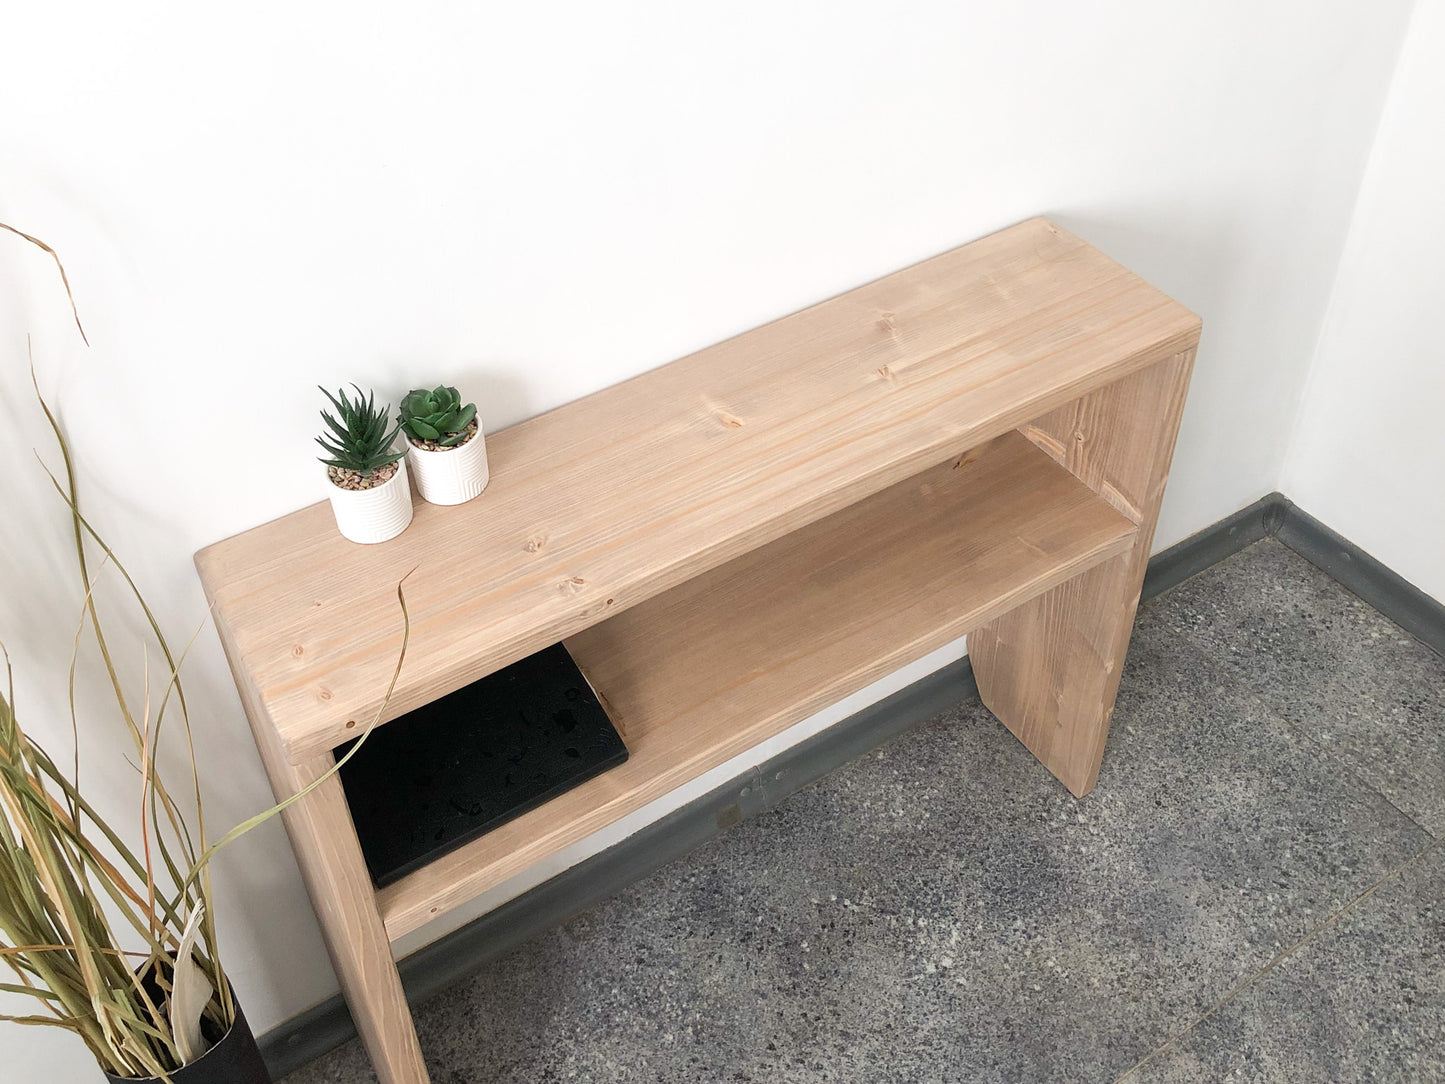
(1189,258)
(502,398)
(1254,353)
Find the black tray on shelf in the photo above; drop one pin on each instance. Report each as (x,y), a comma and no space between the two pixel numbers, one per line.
(444,774)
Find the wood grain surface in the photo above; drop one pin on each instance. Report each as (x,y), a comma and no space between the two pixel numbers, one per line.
(712,667)
(1050,668)
(607,501)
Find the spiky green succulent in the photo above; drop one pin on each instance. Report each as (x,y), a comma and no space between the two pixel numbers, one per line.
(437,415)
(358,439)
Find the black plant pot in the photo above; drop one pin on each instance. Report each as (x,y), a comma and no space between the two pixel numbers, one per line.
(234,1059)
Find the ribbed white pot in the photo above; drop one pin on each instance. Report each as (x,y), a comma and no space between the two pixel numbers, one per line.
(450,475)
(376,514)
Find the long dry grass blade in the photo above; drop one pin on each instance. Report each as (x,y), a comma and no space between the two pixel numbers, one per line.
(184,899)
(177,822)
(110,877)
(64,278)
(35,1021)
(68,494)
(47,868)
(60,892)
(260,818)
(173,816)
(33,991)
(14,950)
(147,775)
(70,690)
(109,873)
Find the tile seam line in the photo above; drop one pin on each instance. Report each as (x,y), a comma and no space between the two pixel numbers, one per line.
(1343,766)
(1212,665)
(1323,750)
(1249,980)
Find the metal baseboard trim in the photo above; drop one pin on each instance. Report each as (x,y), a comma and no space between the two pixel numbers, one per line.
(1386,590)
(429,970)
(1208,547)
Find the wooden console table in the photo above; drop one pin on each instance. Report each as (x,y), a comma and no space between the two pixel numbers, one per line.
(977,444)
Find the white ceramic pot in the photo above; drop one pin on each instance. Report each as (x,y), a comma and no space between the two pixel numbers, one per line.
(450,475)
(376,514)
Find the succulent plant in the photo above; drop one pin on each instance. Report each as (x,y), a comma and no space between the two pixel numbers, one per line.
(359,439)
(437,415)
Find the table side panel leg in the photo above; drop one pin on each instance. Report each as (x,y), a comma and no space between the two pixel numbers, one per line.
(1050,668)
(324,841)
(344,897)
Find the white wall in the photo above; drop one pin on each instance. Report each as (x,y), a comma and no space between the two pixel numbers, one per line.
(1370,442)
(534,201)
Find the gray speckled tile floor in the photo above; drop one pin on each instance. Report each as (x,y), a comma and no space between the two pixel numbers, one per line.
(1342,674)
(1363,1000)
(1243,896)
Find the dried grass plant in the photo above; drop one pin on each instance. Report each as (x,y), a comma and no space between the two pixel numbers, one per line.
(113,939)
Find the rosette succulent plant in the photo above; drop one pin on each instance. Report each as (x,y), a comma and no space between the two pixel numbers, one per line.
(359,439)
(437,415)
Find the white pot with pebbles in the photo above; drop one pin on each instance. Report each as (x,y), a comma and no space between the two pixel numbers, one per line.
(445,445)
(370,495)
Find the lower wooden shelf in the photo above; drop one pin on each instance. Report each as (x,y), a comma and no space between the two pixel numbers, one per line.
(716,665)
